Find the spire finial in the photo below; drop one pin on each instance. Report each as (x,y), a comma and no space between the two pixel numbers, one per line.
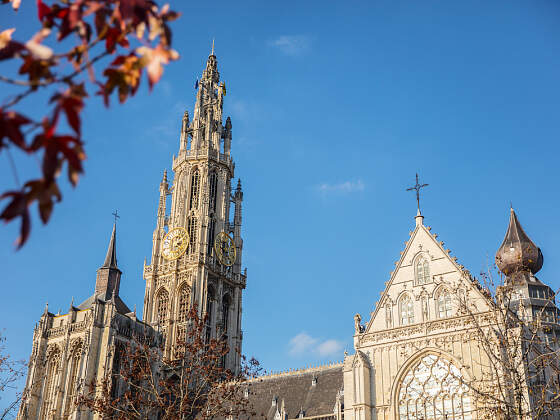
(111,257)
(417,188)
(116,215)
(212,46)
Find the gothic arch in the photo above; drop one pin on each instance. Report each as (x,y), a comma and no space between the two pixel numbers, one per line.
(405,308)
(421,268)
(442,301)
(183,301)
(413,362)
(162,304)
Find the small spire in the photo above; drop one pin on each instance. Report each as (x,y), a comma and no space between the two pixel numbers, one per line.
(47,308)
(212,47)
(164,180)
(111,257)
(238,184)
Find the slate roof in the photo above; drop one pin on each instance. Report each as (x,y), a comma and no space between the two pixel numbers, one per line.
(121,306)
(297,391)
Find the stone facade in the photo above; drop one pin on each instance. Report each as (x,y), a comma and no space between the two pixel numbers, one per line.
(73,350)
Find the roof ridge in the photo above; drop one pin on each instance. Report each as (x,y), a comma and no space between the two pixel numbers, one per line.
(298,371)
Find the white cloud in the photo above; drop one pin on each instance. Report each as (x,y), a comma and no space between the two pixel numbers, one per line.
(304,343)
(329,347)
(301,343)
(342,187)
(291,44)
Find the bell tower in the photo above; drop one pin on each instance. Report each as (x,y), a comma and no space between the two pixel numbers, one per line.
(197,248)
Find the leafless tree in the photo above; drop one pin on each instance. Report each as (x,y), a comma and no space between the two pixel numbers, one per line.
(11,371)
(518,372)
(192,384)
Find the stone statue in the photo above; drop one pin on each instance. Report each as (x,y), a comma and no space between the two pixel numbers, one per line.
(357,323)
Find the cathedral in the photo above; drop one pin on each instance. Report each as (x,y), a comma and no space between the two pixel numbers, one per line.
(412,359)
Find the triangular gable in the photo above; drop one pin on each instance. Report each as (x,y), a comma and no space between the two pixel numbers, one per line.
(443,270)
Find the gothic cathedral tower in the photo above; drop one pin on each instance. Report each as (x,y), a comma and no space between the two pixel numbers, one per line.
(196,254)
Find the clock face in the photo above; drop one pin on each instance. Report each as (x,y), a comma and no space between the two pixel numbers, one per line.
(175,243)
(225,249)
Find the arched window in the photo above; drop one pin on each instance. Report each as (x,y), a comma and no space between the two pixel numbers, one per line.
(210,298)
(443,302)
(192,229)
(211,234)
(162,307)
(213,185)
(406,309)
(433,389)
(183,306)
(195,189)
(73,377)
(422,271)
(226,303)
(49,390)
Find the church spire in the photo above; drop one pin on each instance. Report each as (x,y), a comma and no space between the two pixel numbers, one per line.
(111,257)
(108,278)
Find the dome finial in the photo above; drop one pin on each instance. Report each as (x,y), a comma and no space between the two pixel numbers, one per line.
(517,252)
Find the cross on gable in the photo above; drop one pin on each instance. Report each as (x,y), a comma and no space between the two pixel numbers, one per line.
(417,188)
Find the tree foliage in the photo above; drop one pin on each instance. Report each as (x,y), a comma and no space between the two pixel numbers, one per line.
(108,44)
(192,384)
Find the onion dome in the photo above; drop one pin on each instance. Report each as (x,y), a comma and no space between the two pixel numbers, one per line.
(518,253)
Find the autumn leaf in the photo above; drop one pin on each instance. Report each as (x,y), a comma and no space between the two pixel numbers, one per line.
(9,48)
(153,59)
(17,207)
(10,128)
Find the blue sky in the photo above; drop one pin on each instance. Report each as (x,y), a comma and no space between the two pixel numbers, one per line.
(335,106)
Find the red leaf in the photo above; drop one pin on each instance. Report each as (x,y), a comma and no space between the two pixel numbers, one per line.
(18,207)
(42,10)
(10,127)
(71,103)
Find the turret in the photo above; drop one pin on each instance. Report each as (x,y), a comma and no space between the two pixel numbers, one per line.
(518,257)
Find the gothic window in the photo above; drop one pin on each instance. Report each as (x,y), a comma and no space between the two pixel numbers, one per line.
(213,191)
(192,229)
(117,365)
(443,304)
(389,315)
(183,306)
(433,389)
(211,234)
(225,312)
(195,189)
(162,307)
(180,341)
(422,271)
(406,309)
(210,305)
(73,377)
(49,390)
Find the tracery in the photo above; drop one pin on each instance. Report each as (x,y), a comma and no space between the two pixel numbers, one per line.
(444,304)
(406,310)
(422,271)
(433,389)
